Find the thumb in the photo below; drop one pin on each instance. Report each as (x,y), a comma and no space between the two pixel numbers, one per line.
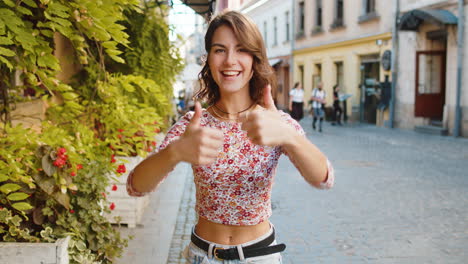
(268,99)
(195,121)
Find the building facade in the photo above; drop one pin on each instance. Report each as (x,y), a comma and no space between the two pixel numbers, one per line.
(274,20)
(426,91)
(343,43)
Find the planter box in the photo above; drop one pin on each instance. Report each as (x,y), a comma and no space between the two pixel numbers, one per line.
(129,209)
(35,253)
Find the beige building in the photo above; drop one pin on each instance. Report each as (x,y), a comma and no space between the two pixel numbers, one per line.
(426,90)
(342,43)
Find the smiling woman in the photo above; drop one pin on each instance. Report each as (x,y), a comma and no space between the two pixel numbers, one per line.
(233,146)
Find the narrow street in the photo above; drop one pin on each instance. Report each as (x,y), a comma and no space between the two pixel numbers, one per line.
(399,197)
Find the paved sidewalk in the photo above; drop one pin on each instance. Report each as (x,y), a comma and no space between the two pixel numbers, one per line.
(152,238)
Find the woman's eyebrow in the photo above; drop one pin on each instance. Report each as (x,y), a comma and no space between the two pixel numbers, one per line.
(222,46)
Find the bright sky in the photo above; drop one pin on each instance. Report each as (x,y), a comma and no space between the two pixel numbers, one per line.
(182,19)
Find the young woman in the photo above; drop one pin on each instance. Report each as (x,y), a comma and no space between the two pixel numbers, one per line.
(233,146)
(296,102)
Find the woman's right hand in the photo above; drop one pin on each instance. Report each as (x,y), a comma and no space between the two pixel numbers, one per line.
(199,145)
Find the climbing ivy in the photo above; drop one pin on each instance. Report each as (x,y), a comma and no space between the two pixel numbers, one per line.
(53,180)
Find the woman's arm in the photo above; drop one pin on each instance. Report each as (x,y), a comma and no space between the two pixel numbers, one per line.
(197,145)
(308,159)
(268,127)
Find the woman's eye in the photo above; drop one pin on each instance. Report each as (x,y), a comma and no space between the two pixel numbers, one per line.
(243,50)
(218,50)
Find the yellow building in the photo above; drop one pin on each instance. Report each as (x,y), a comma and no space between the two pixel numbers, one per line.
(343,43)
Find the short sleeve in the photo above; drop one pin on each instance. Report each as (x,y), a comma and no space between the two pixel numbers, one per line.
(292,122)
(173,134)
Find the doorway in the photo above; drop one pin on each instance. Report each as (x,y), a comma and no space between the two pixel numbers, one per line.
(370,74)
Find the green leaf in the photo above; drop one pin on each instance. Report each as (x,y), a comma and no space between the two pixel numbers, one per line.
(9,3)
(62,198)
(117,59)
(9,187)
(3,177)
(7,63)
(47,166)
(5,41)
(6,52)
(30,3)
(24,10)
(18,196)
(22,206)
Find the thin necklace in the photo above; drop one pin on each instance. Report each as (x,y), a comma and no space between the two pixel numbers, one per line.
(233,113)
(224,118)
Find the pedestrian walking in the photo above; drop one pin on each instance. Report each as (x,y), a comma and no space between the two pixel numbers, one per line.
(318,105)
(337,110)
(296,102)
(233,146)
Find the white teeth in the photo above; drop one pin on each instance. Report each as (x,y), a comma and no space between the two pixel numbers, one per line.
(230,73)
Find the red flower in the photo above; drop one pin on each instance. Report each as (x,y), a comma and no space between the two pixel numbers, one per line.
(73,174)
(119,135)
(104,194)
(59,162)
(61,151)
(114,187)
(120,130)
(72,211)
(112,206)
(153,143)
(79,166)
(149,149)
(121,168)
(157,130)
(113,158)
(39,169)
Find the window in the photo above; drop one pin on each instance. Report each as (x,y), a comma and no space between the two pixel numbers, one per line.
(300,31)
(265,30)
(370,6)
(287,25)
(319,10)
(338,21)
(368,11)
(275,32)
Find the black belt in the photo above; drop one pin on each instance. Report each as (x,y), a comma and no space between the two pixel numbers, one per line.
(261,248)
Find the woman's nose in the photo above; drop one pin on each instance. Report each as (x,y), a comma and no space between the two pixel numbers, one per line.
(230,58)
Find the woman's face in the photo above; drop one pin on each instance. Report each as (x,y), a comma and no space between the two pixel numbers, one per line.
(230,64)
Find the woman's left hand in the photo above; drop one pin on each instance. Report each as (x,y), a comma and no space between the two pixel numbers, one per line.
(265,126)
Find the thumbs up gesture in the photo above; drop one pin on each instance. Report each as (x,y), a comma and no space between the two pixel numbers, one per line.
(199,145)
(265,126)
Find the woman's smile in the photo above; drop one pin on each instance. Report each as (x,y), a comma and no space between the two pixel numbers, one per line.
(230,64)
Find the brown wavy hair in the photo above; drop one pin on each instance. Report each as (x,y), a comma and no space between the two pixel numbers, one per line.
(248,34)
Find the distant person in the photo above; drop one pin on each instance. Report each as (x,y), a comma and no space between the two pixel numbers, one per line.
(337,110)
(296,102)
(318,105)
(234,146)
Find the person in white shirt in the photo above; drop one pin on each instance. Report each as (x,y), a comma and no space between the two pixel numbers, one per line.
(318,105)
(296,102)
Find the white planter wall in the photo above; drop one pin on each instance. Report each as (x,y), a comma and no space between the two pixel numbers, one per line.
(35,253)
(129,209)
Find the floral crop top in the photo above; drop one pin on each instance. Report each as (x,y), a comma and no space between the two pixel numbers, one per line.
(236,189)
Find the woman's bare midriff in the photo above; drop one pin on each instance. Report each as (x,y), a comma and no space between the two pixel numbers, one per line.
(229,234)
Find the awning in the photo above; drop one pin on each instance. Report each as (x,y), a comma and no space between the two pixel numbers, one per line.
(413,19)
(274,62)
(201,7)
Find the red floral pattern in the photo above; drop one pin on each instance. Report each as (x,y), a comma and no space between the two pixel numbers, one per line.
(236,189)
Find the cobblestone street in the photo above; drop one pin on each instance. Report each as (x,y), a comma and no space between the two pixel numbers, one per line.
(399,197)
